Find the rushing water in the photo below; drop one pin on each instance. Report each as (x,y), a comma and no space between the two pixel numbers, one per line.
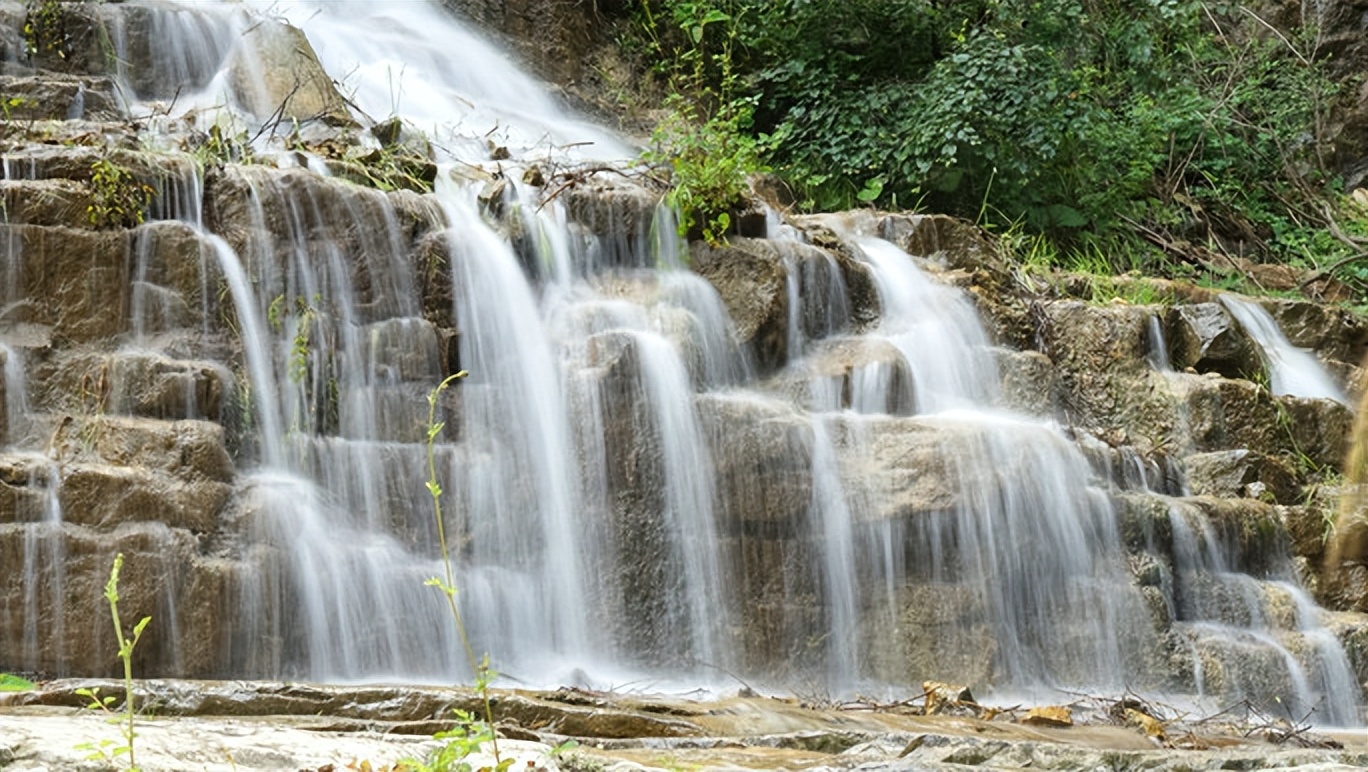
(627,495)
(1291,370)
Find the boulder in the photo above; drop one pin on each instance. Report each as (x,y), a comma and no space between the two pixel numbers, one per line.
(1204,337)
(1242,473)
(751,277)
(275,74)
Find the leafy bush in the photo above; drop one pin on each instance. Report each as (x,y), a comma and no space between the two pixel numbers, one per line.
(1082,119)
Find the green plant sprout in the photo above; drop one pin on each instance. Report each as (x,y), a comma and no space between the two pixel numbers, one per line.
(109,750)
(469,733)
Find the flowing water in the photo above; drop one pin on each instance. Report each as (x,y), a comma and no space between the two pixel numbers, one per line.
(612,512)
(1291,370)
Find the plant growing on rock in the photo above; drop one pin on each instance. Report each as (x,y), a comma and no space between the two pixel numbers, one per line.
(109,749)
(118,199)
(705,140)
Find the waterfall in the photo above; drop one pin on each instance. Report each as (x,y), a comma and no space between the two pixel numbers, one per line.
(632,492)
(1291,370)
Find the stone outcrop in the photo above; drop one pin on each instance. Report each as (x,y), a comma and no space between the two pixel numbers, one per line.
(275,74)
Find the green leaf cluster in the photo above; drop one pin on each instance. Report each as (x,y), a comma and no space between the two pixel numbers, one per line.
(1075,118)
(118,199)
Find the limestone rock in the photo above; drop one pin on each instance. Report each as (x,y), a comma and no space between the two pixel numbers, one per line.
(162,577)
(750,276)
(188,450)
(1334,333)
(162,51)
(275,73)
(45,202)
(1203,336)
(959,243)
(1030,383)
(139,383)
(81,275)
(53,97)
(621,215)
(867,374)
(1241,473)
(896,468)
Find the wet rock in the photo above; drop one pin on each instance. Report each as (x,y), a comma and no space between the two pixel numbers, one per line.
(59,98)
(141,384)
(1213,413)
(45,202)
(1030,383)
(750,276)
(103,496)
(276,74)
(901,467)
(848,372)
(1203,336)
(161,578)
(1107,385)
(621,216)
(403,350)
(959,243)
(1333,332)
(191,451)
(1253,530)
(761,451)
(81,275)
(1241,473)
(173,267)
(69,38)
(302,212)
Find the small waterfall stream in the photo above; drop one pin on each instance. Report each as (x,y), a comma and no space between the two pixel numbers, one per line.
(630,494)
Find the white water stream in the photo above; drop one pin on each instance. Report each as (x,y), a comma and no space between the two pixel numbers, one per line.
(582,483)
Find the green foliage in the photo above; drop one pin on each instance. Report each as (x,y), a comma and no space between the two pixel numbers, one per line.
(217,147)
(705,139)
(45,30)
(111,750)
(13,683)
(118,198)
(711,159)
(1075,118)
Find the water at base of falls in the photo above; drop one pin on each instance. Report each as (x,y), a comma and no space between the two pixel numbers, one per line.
(630,497)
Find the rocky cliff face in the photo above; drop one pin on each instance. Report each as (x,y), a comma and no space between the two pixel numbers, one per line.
(867,447)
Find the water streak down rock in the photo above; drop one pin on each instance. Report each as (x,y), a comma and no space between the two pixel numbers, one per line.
(795,462)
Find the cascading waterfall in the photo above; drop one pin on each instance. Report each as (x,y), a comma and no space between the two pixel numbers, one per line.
(1229,618)
(1291,370)
(932,533)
